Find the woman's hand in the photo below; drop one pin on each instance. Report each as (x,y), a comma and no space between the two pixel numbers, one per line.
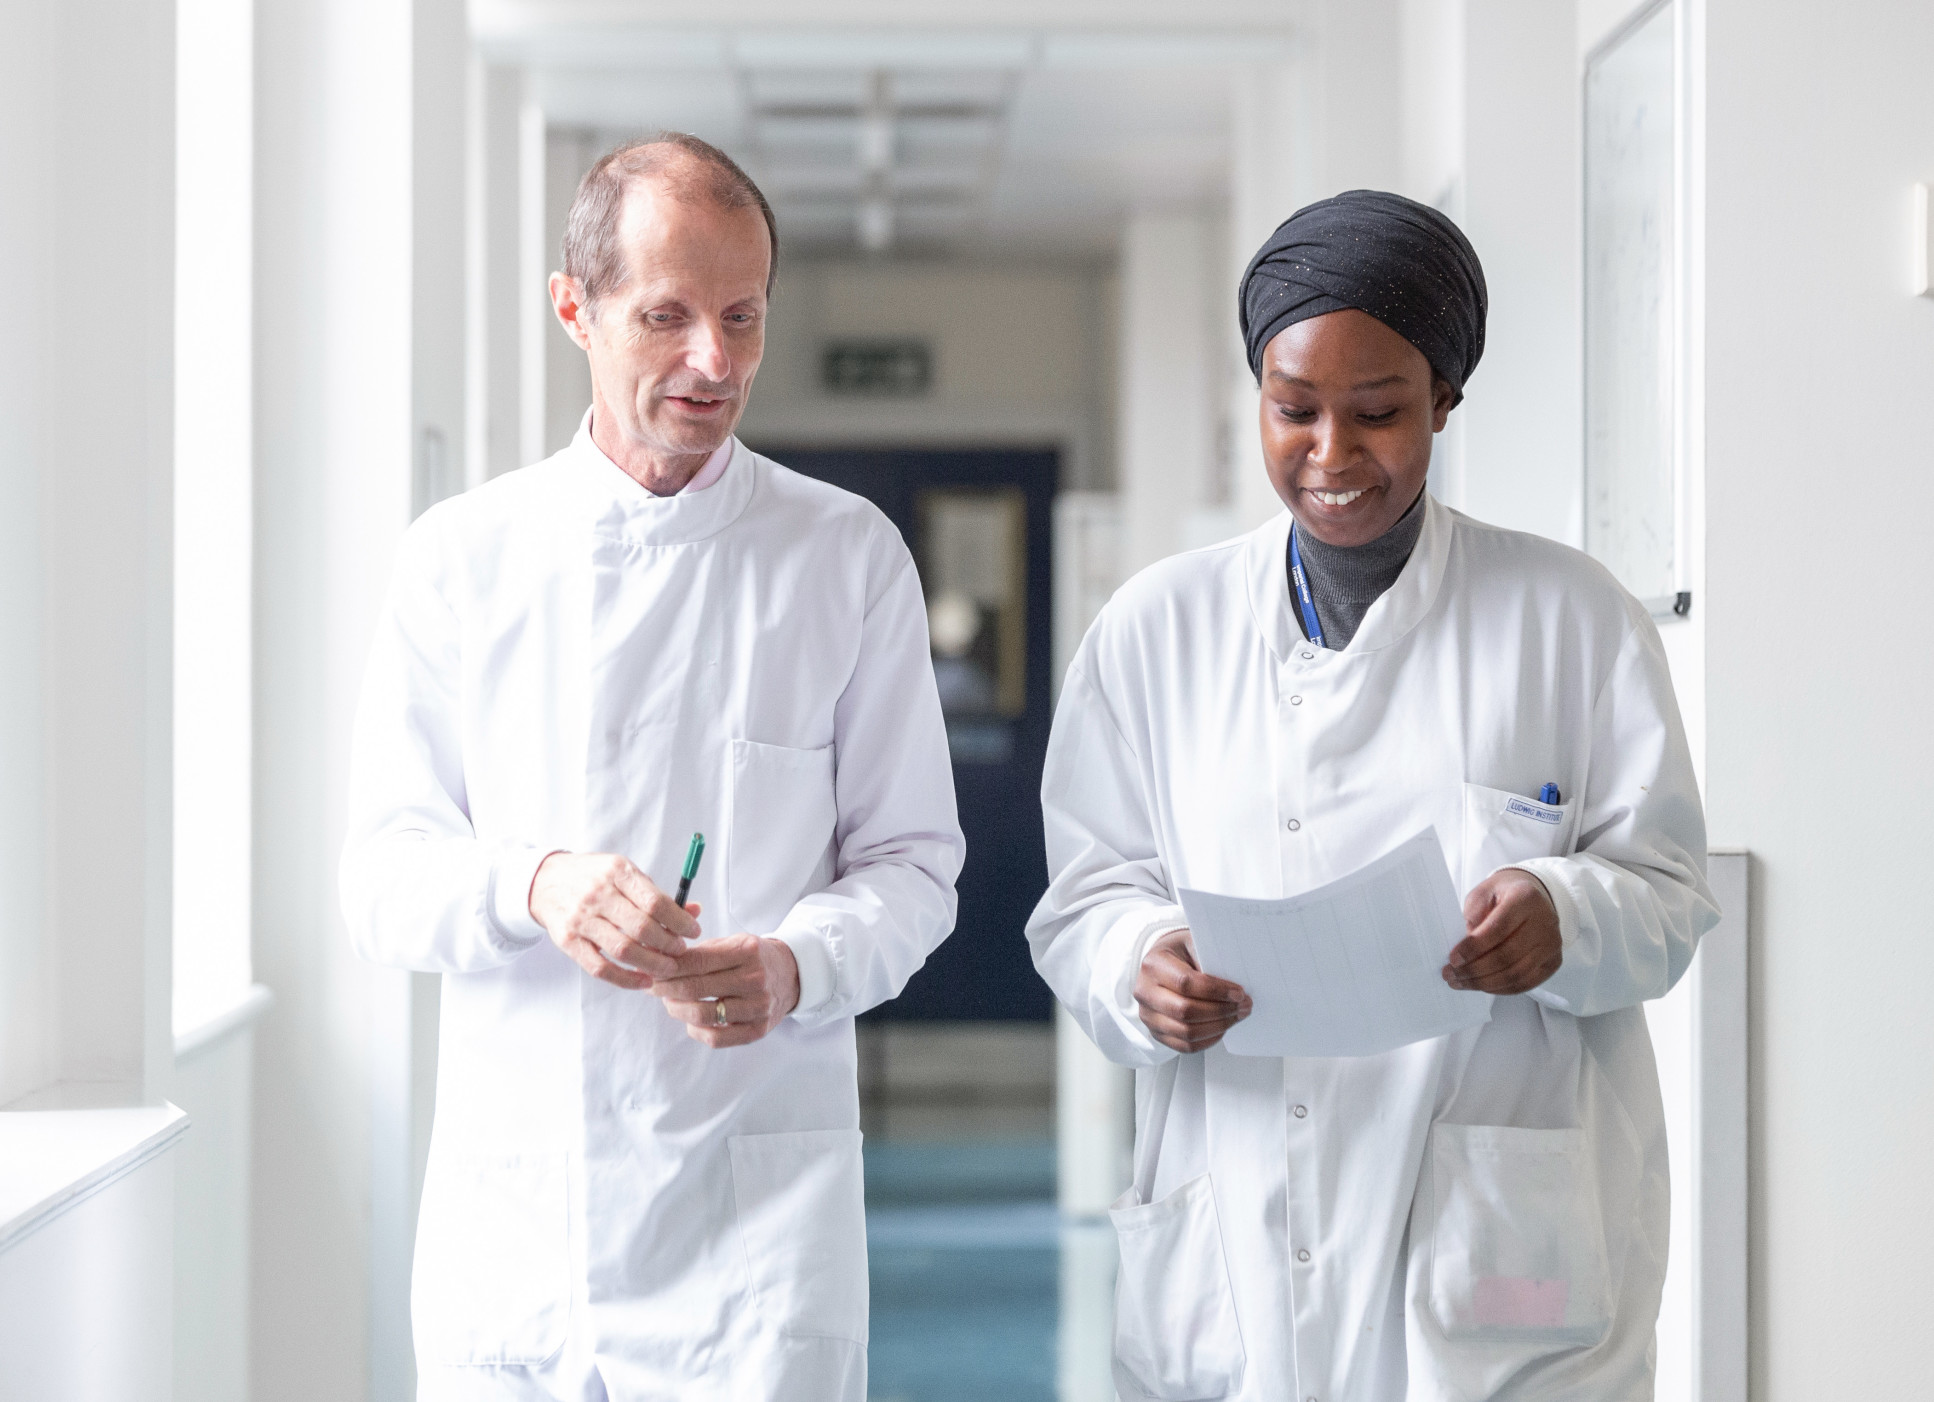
(1513,944)
(1183,1007)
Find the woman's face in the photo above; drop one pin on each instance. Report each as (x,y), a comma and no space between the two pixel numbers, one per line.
(1348,411)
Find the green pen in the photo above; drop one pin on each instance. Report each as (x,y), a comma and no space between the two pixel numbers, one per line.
(692,855)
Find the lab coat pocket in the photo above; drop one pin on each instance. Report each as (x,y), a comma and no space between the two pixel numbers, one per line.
(1176,1335)
(780,847)
(801,1206)
(1517,1243)
(1502,828)
(491,1282)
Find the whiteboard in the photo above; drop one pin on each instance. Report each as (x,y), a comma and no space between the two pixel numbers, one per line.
(1631,308)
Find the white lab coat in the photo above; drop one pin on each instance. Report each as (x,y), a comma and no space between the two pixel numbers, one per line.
(568,662)
(1478,1216)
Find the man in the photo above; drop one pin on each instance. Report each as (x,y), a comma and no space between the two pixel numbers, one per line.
(644,1180)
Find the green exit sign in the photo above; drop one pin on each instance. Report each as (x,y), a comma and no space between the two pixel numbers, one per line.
(877,367)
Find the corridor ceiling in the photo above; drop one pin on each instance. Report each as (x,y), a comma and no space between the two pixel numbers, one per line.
(965,140)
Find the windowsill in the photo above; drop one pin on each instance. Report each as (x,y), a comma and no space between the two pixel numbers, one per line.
(60,1146)
(245,1011)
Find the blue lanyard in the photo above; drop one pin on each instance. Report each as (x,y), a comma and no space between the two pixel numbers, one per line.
(1305,605)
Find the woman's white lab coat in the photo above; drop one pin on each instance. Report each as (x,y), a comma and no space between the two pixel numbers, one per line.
(568,662)
(1478,1216)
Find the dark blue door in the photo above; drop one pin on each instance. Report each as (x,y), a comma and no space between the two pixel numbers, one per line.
(978,521)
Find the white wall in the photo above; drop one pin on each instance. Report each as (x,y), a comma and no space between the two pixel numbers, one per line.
(214,687)
(87,126)
(1820,467)
(214,444)
(1521,442)
(1329,120)
(28,965)
(86,432)
(495,266)
(359,329)
(1490,136)
(86,1299)
(1020,355)
(1166,458)
(214,1084)
(86,456)
(568,154)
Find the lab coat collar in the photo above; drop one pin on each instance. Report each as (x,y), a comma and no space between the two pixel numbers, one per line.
(1400,609)
(623,510)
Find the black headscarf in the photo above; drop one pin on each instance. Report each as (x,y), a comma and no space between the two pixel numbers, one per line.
(1402,262)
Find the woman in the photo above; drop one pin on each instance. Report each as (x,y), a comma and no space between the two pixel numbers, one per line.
(1476,1216)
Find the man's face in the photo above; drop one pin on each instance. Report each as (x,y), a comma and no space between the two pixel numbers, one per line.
(1348,410)
(674,349)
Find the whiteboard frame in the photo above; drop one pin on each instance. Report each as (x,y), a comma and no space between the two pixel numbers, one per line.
(1678,601)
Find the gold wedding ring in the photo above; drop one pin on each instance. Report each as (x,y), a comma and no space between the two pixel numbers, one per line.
(718,1013)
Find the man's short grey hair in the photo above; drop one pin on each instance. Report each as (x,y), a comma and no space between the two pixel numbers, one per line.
(694,170)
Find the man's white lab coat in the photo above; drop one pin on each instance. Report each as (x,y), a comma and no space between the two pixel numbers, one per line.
(568,662)
(1479,1216)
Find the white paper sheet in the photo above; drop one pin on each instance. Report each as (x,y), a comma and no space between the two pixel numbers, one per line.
(1350,969)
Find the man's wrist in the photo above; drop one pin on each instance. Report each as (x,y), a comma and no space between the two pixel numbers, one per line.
(512,878)
(789,975)
(813,971)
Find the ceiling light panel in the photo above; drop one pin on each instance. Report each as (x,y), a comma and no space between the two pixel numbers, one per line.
(791,128)
(814,87)
(638,101)
(799,181)
(981,88)
(952,187)
(1165,51)
(893,49)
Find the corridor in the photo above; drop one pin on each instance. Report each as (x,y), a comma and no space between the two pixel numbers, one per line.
(278,278)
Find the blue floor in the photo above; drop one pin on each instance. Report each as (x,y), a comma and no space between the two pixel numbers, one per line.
(964,1245)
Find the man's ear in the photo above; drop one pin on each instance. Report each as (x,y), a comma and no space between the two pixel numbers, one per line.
(1442,397)
(567,300)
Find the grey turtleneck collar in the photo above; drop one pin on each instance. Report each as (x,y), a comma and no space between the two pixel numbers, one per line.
(1345,580)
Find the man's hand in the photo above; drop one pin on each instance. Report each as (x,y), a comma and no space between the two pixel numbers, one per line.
(755,981)
(1185,1008)
(605,913)
(1513,944)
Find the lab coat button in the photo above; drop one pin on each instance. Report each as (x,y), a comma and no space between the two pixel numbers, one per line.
(1295,826)
(1303,1255)
(1309,657)
(1295,700)
(1300,1112)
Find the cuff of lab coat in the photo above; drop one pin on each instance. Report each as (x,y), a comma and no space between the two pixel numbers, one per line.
(818,974)
(1119,961)
(511,875)
(1550,872)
